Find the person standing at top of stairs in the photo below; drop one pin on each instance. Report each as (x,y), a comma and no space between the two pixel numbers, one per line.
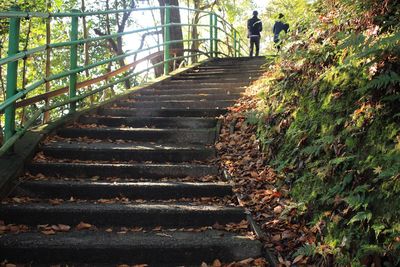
(254,27)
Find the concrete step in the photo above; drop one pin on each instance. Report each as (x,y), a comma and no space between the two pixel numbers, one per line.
(213,79)
(186,136)
(166,112)
(151,122)
(192,91)
(190,84)
(105,215)
(138,170)
(133,190)
(192,97)
(221,72)
(176,104)
(227,68)
(128,152)
(99,247)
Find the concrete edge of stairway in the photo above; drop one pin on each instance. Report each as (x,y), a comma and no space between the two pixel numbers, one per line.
(261,235)
(12,165)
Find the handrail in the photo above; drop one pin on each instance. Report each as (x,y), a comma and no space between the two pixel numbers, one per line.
(212,45)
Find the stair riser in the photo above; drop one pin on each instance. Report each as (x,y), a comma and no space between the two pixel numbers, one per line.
(195,123)
(184,84)
(199,104)
(194,97)
(147,192)
(231,67)
(222,73)
(193,91)
(135,155)
(172,136)
(162,112)
(125,171)
(210,79)
(105,216)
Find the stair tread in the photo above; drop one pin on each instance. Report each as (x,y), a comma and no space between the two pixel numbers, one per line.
(172,248)
(104,207)
(122,146)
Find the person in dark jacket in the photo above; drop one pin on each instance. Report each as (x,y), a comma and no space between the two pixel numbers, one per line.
(279,26)
(254,27)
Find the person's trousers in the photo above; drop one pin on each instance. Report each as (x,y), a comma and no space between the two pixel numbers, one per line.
(254,41)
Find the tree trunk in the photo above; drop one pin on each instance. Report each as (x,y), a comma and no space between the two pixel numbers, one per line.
(175,34)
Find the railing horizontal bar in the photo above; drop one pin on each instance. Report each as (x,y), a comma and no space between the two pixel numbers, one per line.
(28,14)
(22,55)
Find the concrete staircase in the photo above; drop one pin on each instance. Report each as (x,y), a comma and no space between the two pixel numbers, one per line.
(140,174)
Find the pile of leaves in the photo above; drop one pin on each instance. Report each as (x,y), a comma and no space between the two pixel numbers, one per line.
(254,182)
(328,122)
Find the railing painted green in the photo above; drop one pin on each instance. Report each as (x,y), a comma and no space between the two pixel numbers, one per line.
(229,46)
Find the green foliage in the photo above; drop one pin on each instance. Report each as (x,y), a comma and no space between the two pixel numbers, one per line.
(330,124)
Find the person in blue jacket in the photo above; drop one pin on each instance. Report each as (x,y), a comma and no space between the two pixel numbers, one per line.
(254,27)
(279,26)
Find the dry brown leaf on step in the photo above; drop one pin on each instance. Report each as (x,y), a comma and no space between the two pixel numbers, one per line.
(55,201)
(298,259)
(260,262)
(48,232)
(278,209)
(246,262)
(83,226)
(219,146)
(216,263)
(64,227)
(157,228)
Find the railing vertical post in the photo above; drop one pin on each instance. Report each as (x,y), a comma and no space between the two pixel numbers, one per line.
(211,35)
(240,48)
(167,21)
(215,35)
(234,43)
(12,74)
(73,59)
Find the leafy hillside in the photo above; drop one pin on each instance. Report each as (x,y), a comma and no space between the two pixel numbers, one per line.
(329,121)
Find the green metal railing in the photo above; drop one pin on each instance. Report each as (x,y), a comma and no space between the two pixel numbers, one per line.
(230,45)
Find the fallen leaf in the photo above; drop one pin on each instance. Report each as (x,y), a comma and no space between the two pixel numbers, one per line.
(83,226)
(48,232)
(246,261)
(278,209)
(64,228)
(297,259)
(216,263)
